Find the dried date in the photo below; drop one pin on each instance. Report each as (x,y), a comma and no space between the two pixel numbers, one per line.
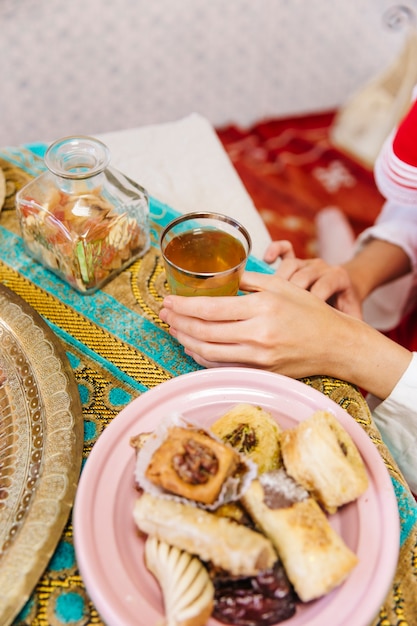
(259,601)
(196,463)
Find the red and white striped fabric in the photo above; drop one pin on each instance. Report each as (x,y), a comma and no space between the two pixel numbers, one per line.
(396,166)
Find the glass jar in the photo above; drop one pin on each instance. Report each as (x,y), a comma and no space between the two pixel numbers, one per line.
(82,219)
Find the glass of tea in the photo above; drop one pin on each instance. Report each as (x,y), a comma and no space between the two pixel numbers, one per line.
(204,254)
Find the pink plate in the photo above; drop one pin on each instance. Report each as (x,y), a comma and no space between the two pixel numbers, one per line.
(110,551)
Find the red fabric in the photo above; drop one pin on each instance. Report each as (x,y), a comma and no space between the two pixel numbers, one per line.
(396,167)
(291,170)
(406,332)
(405,141)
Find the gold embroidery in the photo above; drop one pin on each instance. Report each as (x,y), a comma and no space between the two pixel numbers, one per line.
(124,356)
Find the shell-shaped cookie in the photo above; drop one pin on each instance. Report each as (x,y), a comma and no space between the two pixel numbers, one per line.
(187,589)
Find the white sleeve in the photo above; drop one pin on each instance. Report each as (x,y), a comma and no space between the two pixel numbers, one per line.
(387,305)
(396,224)
(396,419)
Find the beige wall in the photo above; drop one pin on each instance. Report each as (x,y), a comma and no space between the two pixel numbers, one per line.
(91,66)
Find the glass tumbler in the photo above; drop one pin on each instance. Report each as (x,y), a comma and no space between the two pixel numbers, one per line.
(204,254)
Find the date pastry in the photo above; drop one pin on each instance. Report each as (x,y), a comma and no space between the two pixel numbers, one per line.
(192,464)
(181,460)
(252,431)
(321,456)
(315,557)
(187,590)
(219,540)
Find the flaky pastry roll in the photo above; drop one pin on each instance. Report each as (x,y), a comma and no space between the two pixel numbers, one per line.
(322,457)
(228,545)
(315,558)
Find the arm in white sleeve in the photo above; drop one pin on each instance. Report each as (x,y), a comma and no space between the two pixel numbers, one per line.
(387,305)
(395,174)
(396,419)
(396,224)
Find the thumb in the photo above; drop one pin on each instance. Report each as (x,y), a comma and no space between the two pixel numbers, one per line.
(257,281)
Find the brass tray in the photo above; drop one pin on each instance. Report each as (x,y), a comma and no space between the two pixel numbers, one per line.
(41,443)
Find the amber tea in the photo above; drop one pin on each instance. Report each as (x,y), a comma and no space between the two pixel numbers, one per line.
(205,259)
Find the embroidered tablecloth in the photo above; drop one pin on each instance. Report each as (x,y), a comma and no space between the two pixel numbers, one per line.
(118,348)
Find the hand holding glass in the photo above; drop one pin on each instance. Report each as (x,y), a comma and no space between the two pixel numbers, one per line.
(204,254)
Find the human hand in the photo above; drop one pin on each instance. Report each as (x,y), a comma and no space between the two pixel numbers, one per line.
(282,328)
(277,326)
(277,249)
(331,283)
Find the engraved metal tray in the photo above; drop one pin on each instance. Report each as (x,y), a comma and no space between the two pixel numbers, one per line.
(41,442)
